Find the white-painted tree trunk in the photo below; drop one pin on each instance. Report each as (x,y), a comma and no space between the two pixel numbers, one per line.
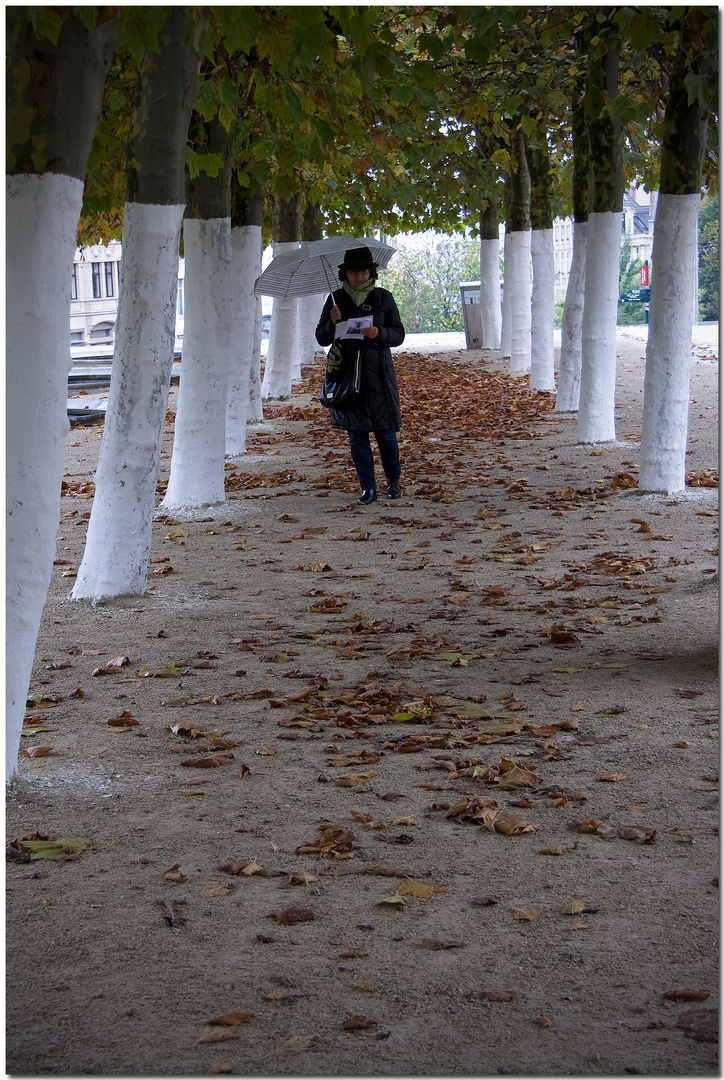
(281,357)
(40,233)
(490,308)
(197,463)
(255,412)
(520,302)
(308,312)
(543,305)
(569,371)
(668,352)
(596,410)
(505,329)
(246,268)
(118,542)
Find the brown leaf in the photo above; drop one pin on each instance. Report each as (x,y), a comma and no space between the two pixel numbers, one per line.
(552,851)
(244,771)
(686,995)
(222,1067)
(213,761)
(37,751)
(613,778)
(173,874)
(292,915)
(358,1023)
(690,693)
(638,833)
(525,914)
(232,1019)
(700,1024)
(544,1021)
(124,719)
(484,901)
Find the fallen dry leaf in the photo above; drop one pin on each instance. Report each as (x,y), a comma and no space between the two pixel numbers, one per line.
(173,874)
(686,995)
(358,1023)
(214,1037)
(700,1024)
(613,778)
(37,751)
(292,915)
(232,1019)
(525,914)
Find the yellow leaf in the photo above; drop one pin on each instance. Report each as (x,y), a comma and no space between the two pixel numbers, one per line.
(578,906)
(525,914)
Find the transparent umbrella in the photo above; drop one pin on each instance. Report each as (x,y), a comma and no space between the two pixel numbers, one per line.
(313,267)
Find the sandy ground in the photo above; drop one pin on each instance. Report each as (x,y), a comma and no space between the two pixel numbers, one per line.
(460,816)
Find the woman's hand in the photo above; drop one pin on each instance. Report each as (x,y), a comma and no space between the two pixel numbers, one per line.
(335,315)
(370,331)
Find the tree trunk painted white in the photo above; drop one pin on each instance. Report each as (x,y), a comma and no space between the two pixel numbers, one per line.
(543,304)
(281,355)
(668,352)
(490,309)
(246,268)
(505,329)
(197,463)
(118,542)
(308,312)
(569,372)
(255,413)
(520,302)
(42,214)
(596,410)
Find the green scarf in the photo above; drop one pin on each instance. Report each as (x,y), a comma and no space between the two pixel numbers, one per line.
(359,295)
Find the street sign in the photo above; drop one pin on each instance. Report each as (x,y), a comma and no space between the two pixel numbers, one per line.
(636,296)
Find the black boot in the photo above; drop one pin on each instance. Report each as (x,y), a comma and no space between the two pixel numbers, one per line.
(393,489)
(368,497)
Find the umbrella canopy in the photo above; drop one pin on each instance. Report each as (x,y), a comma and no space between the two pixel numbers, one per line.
(313,267)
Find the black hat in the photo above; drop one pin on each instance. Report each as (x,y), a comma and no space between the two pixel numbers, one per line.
(358,259)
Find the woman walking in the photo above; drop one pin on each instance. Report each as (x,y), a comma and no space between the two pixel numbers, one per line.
(377,406)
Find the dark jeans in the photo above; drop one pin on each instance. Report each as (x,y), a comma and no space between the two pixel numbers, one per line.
(364,463)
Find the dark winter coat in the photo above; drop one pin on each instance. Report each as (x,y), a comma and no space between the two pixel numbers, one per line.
(378,408)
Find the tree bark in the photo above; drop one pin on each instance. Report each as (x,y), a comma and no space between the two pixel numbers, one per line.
(118,542)
(309,307)
(673,282)
(596,419)
(518,227)
(246,243)
(542,358)
(281,354)
(196,478)
(54,100)
(490,308)
(569,370)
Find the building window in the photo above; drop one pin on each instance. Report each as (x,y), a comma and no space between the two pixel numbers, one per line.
(109,278)
(118,273)
(96,269)
(180,297)
(74,283)
(102,332)
(76,337)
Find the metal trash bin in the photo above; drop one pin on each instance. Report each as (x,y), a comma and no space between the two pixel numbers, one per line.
(472,321)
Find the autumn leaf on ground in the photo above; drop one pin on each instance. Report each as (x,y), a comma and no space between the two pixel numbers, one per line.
(111,668)
(613,778)
(525,914)
(37,751)
(484,901)
(412,887)
(232,1019)
(391,901)
(124,719)
(39,846)
(358,1023)
(292,915)
(552,851)
(302,878)
(213,761)
(700,1024)
(686,995)
(173,874)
